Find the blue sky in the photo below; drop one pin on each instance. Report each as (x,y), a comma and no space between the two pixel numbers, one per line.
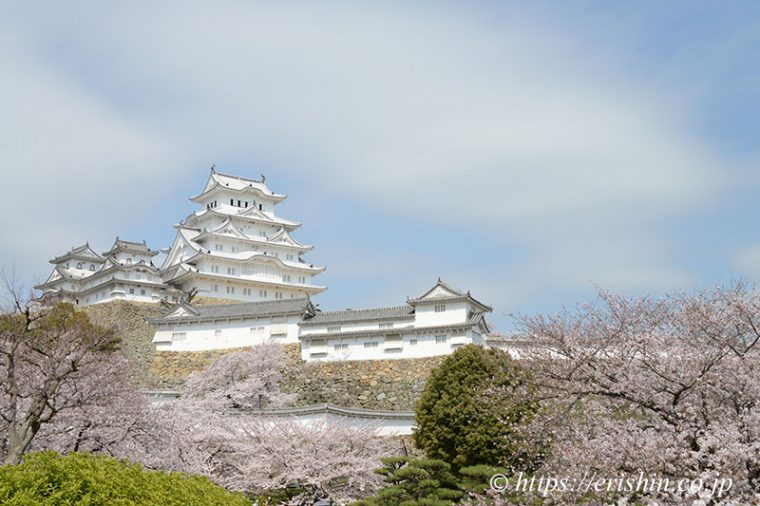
(525,151)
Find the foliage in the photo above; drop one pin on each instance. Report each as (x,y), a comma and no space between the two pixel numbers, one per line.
(48,479)
(209,431)
(415,481)
(54,363)
(249,378)
(472,407)
(668,387)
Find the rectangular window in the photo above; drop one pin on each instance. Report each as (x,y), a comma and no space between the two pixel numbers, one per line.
(263,293)
(230,289)
(217,333)
(341,346)
(142,292)
(131,291)
(232,202)
(371,344)
(179,336)
(333,328)
(441,338)
(214,268)
(386,325)
(440,308)
(216,288)
(413,342)
(231,270)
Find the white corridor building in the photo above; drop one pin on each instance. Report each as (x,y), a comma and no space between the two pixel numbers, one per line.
(436,323)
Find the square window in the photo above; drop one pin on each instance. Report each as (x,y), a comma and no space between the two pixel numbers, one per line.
(440,308)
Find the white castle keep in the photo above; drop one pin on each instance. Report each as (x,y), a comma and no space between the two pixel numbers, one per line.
(236,247)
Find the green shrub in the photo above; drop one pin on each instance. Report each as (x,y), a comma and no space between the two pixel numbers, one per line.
(471,407)
(81,479)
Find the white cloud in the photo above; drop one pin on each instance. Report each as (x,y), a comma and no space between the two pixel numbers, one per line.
(73,167)
(747,260)
(426,112)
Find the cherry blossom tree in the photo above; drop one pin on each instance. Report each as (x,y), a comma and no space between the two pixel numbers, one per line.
(53,360)
(668,387)
(247,378)
(121,424)
(217,428)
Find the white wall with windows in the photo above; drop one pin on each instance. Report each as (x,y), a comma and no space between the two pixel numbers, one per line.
(219,335)
(442,313)
(407,344)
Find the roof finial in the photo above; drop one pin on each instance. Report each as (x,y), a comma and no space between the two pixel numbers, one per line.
(213,168)
(263,178)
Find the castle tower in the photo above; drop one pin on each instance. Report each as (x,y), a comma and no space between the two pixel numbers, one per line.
(236,247)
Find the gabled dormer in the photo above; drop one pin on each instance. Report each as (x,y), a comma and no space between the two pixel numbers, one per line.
(444,304)
(283,236)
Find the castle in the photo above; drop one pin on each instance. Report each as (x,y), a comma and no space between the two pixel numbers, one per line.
(236,247)
(233,247)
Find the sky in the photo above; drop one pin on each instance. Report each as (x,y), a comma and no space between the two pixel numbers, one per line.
(530,152)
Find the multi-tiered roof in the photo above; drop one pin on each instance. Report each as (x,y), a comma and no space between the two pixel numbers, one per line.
(83,276)
(235,246)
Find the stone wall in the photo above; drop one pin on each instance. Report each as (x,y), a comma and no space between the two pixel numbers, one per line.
(376,384)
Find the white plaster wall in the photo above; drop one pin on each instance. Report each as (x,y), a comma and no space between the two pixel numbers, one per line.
(383,426)
(234,334)
(425,315)
(356,326)
(206,288)
(426,347)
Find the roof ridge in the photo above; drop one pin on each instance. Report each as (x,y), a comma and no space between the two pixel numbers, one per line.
(241,178)
(347,310)
(253,302)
